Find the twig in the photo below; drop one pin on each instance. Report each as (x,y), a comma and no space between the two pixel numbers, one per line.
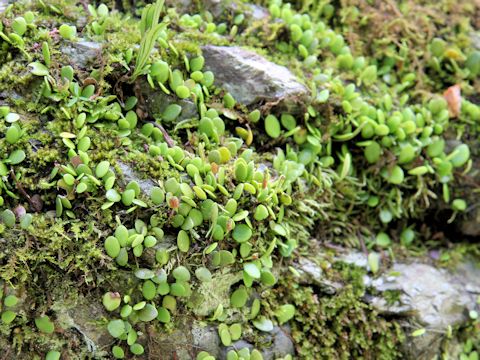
(33,204)
(167,137)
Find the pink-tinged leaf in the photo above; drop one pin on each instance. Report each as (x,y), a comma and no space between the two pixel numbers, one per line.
(454,100)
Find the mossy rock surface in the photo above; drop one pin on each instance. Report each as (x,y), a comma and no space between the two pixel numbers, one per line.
(291,179)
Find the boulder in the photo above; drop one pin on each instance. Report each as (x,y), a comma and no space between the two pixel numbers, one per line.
(253,80)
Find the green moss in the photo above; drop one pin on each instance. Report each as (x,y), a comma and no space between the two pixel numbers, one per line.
(338,326)
(327,201)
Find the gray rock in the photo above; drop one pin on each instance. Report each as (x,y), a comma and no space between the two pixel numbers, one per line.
(157,101)
(470,224)
(3,5)
(279,338)
(206,338)
(429,297)
(475,40)
(131,175)
(191,337)
(355,258)
(82,53)
(237,345)
(438,298)
(172,345)
(181,6)
(252,79)
(80,316)
(311,273)
(218,7)
(258,12)
(282,344)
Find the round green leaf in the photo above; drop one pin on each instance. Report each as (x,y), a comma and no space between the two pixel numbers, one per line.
(116,328)
(263,324)
(53,355)
(10,300)
(203,274)
(272,126)
(242,233)
(111,300)
(16,157)
(112,246)
(285,313)
(148,313)
(8,316)
(239,298)
(252,270)
(181,273)
(113,195)
(163,315)
(144,274)
(183,241)
(44,324)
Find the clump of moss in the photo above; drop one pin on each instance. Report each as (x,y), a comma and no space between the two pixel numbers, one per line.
(236,193)
(338,326)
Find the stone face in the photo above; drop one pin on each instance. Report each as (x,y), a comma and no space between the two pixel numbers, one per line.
(258,12)
(282,344)
(218,8)
(279,339)
(435,298)
(468,223)
(82,53)
(438,297)
(311,273)
(471,225)
(252,79)
(181,6)
(206,338)
(475,40)
(131,175)
(3,5)
(79,317)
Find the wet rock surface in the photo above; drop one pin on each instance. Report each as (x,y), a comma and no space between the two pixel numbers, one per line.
(252,79)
